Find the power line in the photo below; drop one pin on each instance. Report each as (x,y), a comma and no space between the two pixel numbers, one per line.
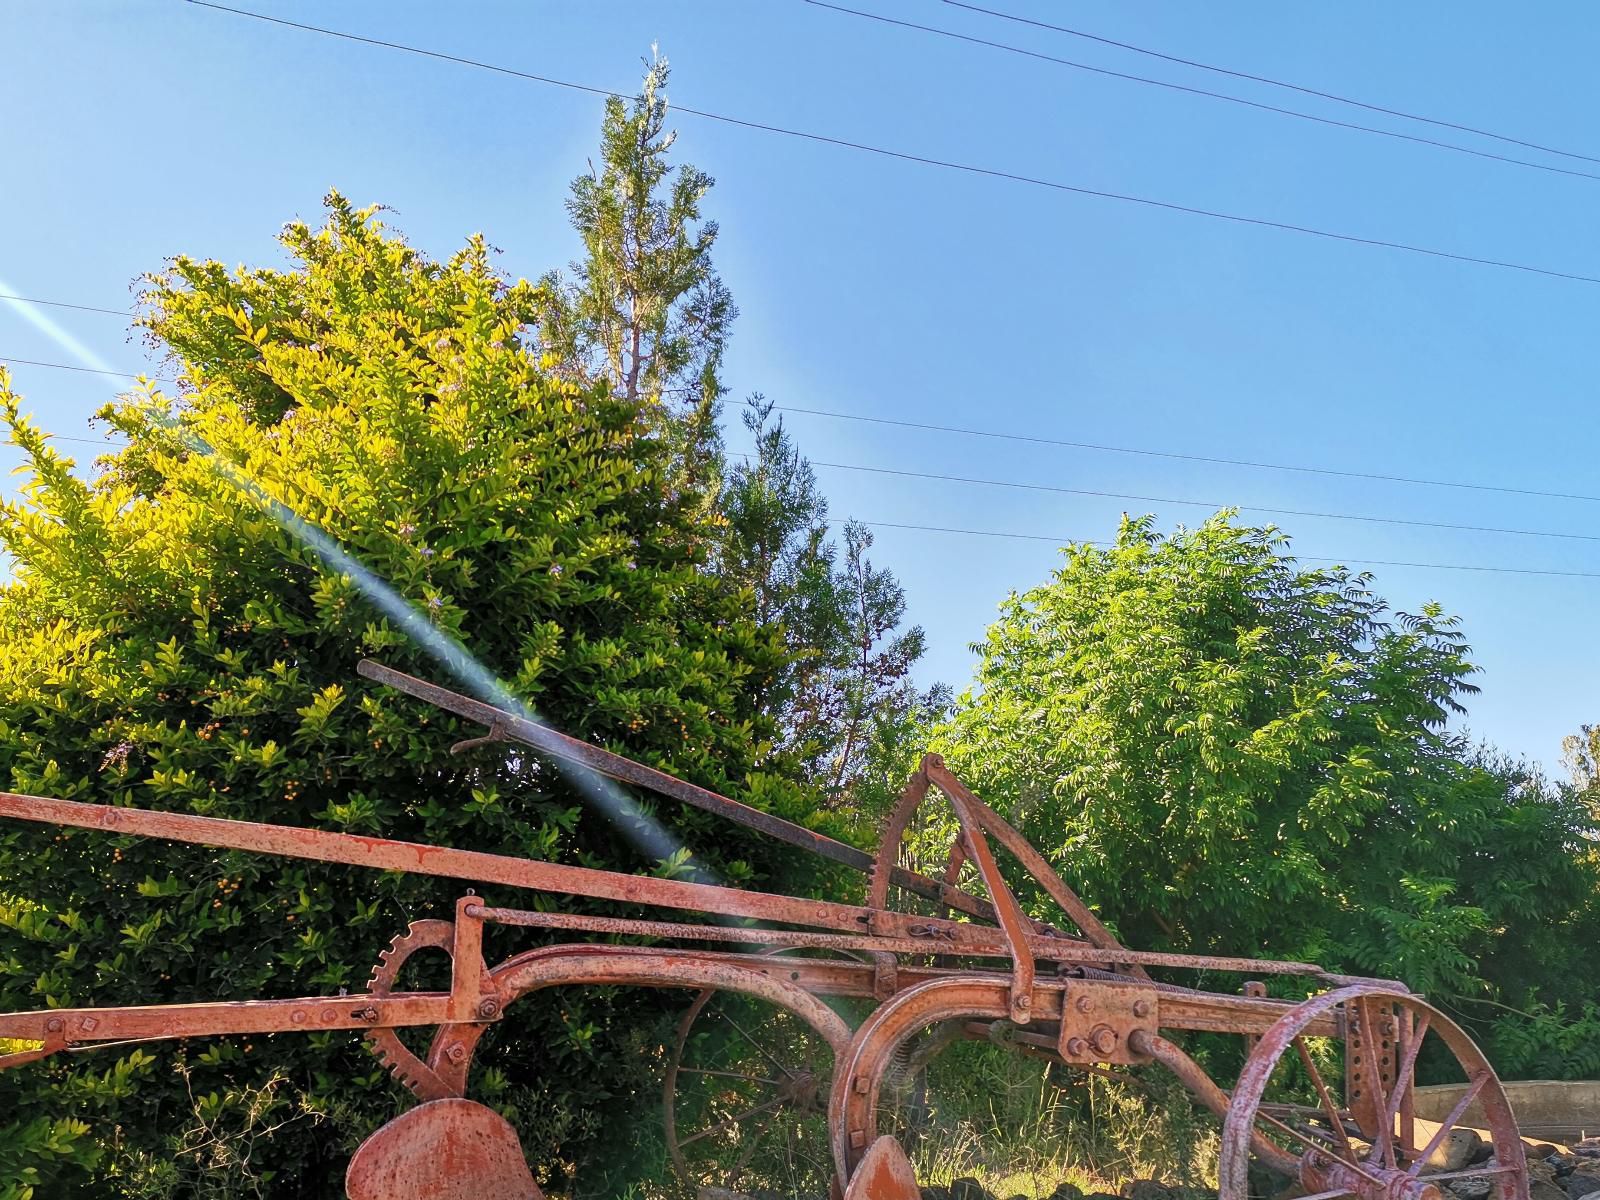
(6,358)
(1212,504)
(1293,87)
(924,160)
(63,304)
(1036,439)
(1172,454)
(1196,91)
(1372,562)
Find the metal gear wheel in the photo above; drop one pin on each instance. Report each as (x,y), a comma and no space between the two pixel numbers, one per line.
(385,1044)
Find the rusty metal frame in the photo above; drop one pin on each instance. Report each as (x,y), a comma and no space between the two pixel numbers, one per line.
(978,964)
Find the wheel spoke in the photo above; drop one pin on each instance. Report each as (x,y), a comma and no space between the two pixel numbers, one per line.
(1449,1122)
(755,1045)
(1328,1105)
(727,1075)
(745,1155)
(1404,1075)
(1300,1136)
(1472,1173)
(731,1121)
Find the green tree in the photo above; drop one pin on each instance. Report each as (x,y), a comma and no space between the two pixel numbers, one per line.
(849,662)
(166,642)
(645,309)
(1582,754)
(1230,752)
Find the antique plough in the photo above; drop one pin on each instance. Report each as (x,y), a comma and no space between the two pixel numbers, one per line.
(924,961)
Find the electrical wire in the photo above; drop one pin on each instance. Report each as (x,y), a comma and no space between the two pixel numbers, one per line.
(1111,495)
(1211,504)
(1172,454)
(924,160)
(1034,439)
(1279,83)
(1373,562)
(63,304)
(1196,91)
(55,366)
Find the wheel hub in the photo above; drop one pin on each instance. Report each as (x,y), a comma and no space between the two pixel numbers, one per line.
(1320,1172)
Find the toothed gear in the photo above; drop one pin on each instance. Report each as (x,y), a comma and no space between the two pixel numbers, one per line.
(385,1044)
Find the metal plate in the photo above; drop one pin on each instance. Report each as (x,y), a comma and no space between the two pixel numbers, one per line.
(450,1149)
(1097,1018)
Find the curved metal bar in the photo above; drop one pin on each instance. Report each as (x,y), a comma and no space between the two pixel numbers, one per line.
(554,966)
(859,1072)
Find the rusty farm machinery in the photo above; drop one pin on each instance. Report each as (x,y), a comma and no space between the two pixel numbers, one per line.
(765,1060)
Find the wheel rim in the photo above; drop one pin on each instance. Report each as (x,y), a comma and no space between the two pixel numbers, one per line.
(1286,1109)
(744,1097)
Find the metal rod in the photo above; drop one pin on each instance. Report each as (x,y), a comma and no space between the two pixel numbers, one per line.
(511,727)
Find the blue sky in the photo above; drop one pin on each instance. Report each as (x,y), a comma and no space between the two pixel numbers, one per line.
(137,130)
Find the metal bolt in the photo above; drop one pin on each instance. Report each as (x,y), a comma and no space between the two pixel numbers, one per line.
(488,1007)
(861,1085)
(456,1053)
(1024,1001)
(54,1025)
(1104,1039)
(89,1024)
(1077,1047)
(858,1139)
(1141,1008)
(1083,1004)
(298,1016)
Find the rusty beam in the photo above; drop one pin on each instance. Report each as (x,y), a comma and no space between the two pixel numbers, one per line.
(79,1026)
(383,854)
(507,726)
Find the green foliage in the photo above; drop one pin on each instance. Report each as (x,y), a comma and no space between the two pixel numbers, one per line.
(38,1152)
(1228,752)
(644,309)
(845,685)
(166,642)
(1548,1042)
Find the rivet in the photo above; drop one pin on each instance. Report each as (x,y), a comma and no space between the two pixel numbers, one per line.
(1083,1004)
(54,1025)
(1141,1008)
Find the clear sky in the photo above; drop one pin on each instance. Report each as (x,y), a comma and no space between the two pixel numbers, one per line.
(133,131)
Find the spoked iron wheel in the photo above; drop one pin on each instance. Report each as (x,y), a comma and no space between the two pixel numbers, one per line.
(745,1098)
(1289,1114)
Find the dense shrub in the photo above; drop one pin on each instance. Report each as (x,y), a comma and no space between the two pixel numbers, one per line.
(167,642)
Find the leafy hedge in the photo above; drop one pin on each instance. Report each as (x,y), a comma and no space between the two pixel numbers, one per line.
(166,642)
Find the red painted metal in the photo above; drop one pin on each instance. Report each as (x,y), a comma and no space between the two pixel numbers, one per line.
(1089,1000)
